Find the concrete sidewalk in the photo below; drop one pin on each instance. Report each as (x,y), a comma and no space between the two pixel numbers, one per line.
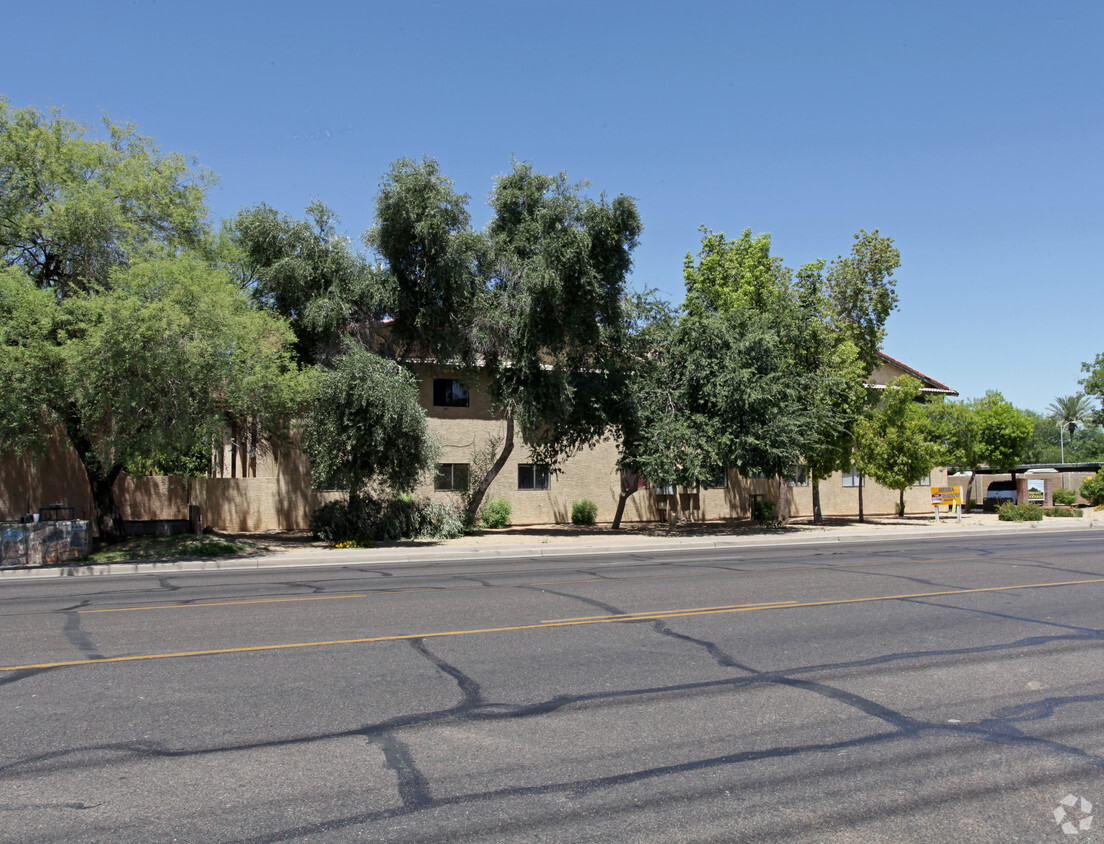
(561,543)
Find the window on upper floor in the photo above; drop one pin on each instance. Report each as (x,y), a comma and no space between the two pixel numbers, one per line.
(451,477)
(449,393)
(533,476)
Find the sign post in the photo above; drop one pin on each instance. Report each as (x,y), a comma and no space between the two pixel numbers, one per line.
(948,495)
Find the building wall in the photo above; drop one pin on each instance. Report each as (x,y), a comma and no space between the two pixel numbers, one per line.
(275,492)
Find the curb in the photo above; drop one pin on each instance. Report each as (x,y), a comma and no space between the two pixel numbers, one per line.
(334,558)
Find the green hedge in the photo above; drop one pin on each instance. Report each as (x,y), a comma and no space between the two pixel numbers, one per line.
(1063,512)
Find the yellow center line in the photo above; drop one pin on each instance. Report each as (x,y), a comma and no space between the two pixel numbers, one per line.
(546,625)
(654,613)
(369,593)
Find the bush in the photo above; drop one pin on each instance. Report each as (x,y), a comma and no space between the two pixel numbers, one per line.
(496,514)
(1092,489)
(336,521)
(764,511)
(402,517)
(1065,496)
(1011,512)
(583,512)
(1060,512)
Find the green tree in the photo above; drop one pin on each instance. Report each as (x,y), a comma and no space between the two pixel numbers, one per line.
(986,431)
(308,272)
(142,373)
(863,294)
(731,275)
(896,442)
(533,303)
(74,208)
(435,280)
(1068,412)
(366,427)
(830,318)
(1094,384)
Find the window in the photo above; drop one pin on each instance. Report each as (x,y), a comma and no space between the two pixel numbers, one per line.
(924,481)
(449,393)
(718,481)
(451,477)
(852,478)
(664,489)
(798,476)
(532,476)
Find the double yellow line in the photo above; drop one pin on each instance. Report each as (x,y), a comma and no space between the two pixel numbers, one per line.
(649,615)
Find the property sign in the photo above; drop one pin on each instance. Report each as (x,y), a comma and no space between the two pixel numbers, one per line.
(946,495)
(1036,490)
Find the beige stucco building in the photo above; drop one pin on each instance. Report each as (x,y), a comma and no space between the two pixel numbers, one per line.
(269,488)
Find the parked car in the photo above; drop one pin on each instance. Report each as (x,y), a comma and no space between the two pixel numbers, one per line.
(998,493)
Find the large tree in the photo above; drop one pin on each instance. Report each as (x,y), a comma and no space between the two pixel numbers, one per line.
(143,373)
(110,331)
(73,207)
(532,303)
(830,318)
(896,442)
(722,392)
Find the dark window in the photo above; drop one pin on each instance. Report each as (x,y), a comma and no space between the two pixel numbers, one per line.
(449,393)
(718,481)
(662,488)
(451,477)
(532,476)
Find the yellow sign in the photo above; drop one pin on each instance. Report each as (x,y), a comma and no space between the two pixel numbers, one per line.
(948,495)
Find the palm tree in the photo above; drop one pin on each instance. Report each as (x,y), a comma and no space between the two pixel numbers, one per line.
(1069,412)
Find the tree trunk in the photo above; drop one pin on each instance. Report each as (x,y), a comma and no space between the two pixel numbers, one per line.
(862,478)
(901,504)
(783,499)
(818,516)
(475,499)
(630,483)
(106,519)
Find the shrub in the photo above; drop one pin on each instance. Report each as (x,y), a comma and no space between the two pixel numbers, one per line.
(402,517)
(1092,488)
(1065,496)
(1060,512)
(1012,512)
(764,511)
(336,521)
(496,514)
(583,512)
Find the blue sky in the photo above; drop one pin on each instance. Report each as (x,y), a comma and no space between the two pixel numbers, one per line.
(971,133)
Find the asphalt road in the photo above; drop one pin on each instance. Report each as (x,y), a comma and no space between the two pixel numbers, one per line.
(935,690)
